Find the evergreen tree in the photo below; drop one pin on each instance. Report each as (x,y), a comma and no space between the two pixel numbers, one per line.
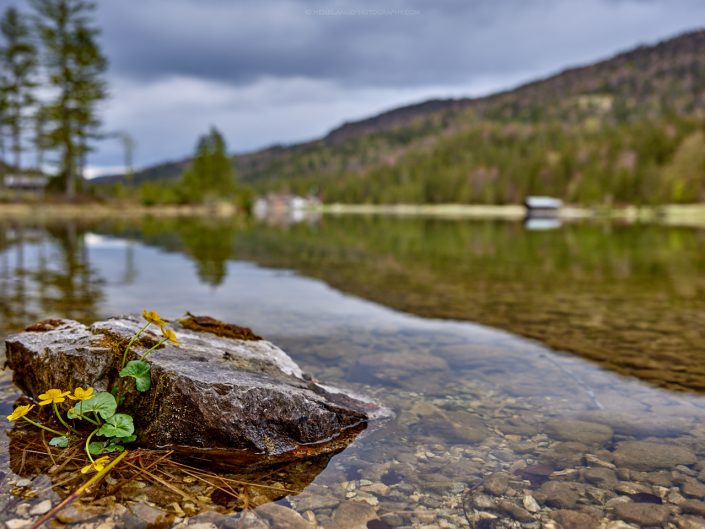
(3,111)
(75,65)
(211,172)
(40,136)
(18,57)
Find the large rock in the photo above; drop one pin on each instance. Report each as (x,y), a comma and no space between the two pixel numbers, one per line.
(221,388)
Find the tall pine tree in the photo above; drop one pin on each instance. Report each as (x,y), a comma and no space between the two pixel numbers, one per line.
(75,65)
(18,58)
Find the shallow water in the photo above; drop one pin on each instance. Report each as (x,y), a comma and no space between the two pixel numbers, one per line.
(491,429)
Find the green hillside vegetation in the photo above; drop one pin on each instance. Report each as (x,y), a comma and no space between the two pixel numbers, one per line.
(648,162)
(630,129)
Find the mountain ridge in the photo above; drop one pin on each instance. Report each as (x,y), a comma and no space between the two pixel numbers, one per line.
(649,82)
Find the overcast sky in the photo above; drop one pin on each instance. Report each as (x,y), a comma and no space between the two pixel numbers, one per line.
(282,71)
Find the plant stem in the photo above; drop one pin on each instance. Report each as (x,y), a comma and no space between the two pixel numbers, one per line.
(88,441)
(132,340)
(146,353)
(92,421)
(30,421)
(61,419)
(80,415)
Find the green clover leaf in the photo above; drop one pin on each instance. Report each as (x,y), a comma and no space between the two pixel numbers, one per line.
(140,371)
(104,447)
(102,403)
(61,441)
(119,425)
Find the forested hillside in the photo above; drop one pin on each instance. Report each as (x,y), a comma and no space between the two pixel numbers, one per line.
(630,129)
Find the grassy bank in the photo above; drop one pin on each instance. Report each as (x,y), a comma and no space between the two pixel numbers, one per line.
(671,214)
(40,210)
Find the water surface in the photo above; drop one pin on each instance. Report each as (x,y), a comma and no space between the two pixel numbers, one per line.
(578,403)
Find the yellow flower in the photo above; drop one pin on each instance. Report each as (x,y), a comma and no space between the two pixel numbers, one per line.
(97,465)
(81,394)
(170,335)
(152,316)
(52,396)
(19,412)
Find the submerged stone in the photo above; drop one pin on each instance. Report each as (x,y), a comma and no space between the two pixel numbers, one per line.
(211,391)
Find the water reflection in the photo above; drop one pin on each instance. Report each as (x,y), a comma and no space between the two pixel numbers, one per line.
(542,223)
(46,270)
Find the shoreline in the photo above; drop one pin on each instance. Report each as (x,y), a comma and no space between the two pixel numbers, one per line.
(685,215)
(92,211)
(669,214)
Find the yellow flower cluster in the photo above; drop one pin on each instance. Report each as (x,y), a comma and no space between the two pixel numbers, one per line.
(97,465)
(81,394)
(153,316)
(56,396)
(19,412)
(170,335)
(51,396)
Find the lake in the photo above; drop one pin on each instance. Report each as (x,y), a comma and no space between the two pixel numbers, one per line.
(538,377)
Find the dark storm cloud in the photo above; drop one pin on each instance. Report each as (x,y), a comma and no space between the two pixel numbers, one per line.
(270,71)
(362,42)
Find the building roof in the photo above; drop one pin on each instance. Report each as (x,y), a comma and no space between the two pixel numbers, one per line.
(537,202)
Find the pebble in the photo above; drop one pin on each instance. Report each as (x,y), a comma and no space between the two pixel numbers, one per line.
(42,507)
(675,497)
(17,523)
(148,514)
(643,513)
(693,507)
(314,502)
(690,522)
(376,488)
(600,496)
(482,501)
(353,515)
(619,524)
(601,476)
(497,484)
(72,515)
(565,455)
(282,517)
(560,494)
(629,487)
(250,520)
(574,519)
(694,489)
(596,461)
(644,455)
(530,504)
(514,510)
(588,433)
